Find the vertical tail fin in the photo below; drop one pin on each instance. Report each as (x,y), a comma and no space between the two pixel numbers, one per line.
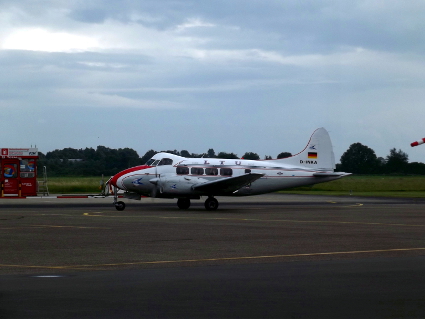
(318,154)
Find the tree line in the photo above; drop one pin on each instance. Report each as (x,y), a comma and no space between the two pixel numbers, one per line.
(358,159)
(361,159)
(88,161)
(107,161)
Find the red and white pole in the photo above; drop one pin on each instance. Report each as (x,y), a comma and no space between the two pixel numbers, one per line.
(418,142)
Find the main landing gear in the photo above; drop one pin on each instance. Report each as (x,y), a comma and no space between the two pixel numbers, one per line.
(183,203)
(210,204)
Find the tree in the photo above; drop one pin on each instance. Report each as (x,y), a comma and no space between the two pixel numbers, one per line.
(251,156)
(89,154)
(415,168)
(380,168)
(396,161)
(185,153)
(227,155)
(210,153)
(359,159)
(284,155)
(128,157)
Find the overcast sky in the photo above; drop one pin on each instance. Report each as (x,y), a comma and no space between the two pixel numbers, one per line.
(233,75)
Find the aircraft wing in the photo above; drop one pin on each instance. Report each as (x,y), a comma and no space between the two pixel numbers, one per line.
(227,185)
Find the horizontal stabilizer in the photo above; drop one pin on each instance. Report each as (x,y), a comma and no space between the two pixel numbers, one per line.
(330,174)
(227,185)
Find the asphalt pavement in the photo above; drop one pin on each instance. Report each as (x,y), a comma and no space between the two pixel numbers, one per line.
(272,256)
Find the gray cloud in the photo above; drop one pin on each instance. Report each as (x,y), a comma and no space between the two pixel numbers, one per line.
(233,75)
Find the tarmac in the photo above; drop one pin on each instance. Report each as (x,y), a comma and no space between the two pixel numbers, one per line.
(275,256)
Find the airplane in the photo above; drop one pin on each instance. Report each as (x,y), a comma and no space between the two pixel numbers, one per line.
(167,175)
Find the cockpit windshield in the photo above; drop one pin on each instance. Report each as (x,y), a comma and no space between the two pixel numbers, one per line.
(157,162)
(166,161)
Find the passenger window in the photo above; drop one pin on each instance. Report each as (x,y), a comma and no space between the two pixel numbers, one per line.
(166,161)
(182,170)
(211,171)
(197,171)
(226,172)
(247,171)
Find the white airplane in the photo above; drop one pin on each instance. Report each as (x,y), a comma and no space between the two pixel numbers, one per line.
(170,176)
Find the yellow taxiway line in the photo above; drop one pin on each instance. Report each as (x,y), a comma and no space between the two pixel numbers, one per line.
(216,259)
(253,220)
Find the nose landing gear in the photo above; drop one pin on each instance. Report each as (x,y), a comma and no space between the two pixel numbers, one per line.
(119,205)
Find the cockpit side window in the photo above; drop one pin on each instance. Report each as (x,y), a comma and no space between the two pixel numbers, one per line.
(149,163)
(166,161)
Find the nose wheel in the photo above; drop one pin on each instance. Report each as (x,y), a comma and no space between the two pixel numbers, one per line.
(211,203)
(119,205)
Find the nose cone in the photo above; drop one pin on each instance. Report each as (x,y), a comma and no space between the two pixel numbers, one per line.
(118,178)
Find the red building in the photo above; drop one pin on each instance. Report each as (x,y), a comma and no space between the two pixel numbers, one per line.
(19,172)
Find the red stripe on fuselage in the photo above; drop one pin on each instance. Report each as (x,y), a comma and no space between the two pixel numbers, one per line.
(126,171)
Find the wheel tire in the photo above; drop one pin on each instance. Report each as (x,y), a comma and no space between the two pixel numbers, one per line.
(211,204)
(183,203)
(120,206)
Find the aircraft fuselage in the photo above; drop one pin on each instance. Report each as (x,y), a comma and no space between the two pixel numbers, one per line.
(177,178)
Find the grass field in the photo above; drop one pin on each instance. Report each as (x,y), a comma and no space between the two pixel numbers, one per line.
(74,185)
(399,186)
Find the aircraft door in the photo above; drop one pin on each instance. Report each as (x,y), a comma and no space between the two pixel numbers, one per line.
(9,178)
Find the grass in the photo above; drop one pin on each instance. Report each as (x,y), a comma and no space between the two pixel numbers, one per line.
(74,185)
(395,186)
(412,194)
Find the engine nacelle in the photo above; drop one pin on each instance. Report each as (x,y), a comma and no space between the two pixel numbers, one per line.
(178,185)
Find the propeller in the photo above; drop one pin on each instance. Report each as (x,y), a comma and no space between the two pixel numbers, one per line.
(157,184)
